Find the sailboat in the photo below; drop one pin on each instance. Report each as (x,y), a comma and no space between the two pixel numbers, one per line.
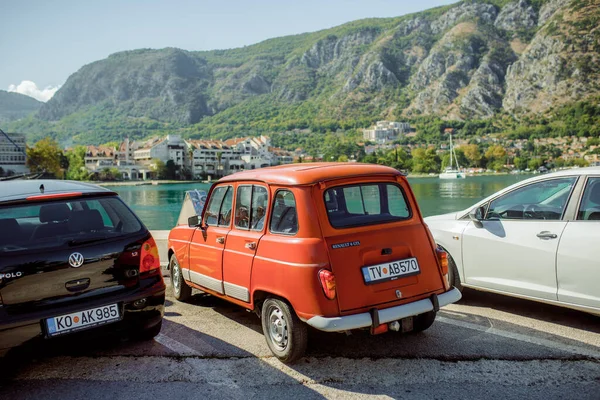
(450,172)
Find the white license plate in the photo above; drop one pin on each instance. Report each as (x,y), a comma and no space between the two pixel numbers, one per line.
(391,270)
(82,320)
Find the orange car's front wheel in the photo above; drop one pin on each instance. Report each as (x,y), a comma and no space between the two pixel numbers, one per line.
(181,290)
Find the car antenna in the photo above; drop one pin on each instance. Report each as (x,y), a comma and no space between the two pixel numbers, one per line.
(42,188)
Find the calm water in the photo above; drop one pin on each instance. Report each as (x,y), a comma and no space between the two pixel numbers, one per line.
(158,206)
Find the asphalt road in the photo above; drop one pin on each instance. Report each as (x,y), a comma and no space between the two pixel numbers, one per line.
(486,346)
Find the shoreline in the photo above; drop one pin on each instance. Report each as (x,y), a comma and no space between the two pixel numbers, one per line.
(148,183)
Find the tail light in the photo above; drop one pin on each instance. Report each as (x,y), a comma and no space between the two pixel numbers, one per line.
(149,259)
(442,257)
(327,280)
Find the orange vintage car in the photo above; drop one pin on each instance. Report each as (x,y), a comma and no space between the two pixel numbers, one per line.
(334,246)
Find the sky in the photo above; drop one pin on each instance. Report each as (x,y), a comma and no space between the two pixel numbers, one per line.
(42,42)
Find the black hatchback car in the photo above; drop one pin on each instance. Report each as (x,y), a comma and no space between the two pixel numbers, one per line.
(74,257)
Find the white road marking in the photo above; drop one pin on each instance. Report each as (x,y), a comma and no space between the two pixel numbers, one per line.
(175,346)
(523,338)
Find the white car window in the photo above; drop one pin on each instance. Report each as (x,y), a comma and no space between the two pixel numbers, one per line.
(590,203)
(545,200)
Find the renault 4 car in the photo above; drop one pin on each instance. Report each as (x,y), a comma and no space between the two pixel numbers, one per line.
(74,257)
(333,246)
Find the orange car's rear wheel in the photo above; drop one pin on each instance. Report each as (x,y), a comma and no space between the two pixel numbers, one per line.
(181,290)
(286,335)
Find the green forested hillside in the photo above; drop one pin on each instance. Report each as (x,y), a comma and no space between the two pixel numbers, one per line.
(523,67)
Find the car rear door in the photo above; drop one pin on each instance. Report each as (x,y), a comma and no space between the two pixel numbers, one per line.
(514,248)
(578,268)
(379,248)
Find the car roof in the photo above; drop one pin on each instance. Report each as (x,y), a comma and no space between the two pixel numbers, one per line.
(310,173)
(21,189)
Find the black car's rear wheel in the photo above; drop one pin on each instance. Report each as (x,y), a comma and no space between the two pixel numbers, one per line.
(286,335)
(181,290)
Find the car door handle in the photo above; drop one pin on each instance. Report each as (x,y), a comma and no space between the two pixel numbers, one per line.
(220,240)
(251,245)
(546,235)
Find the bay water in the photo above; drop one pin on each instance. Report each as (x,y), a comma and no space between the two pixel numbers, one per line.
(158,206)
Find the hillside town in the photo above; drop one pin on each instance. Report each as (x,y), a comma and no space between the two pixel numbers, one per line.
(198,159)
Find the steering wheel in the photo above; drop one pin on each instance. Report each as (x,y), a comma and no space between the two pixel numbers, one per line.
(530,211)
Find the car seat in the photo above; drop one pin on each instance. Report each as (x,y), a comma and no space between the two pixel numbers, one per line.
(85,221)
(53,218)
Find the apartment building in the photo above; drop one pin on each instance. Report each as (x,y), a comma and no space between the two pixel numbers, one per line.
(385,131)
(13,159)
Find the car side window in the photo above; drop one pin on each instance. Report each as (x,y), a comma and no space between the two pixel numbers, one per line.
(225,211)
(284,218)
(545,200)
(259,208)
(251,207)
(589,209)
(214,205)
(242,206)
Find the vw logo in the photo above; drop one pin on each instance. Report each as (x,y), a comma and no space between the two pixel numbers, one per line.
(76,260)
(398,294)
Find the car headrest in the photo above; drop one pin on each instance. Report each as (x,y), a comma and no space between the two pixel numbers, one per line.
(54,212)
(594,196)
(595,216)
(85,221)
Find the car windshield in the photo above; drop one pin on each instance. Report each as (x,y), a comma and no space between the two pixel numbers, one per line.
(366,204)
(64,223)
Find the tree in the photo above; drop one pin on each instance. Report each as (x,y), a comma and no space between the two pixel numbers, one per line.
(425,161)
(159,168)
(473,154)
(534,164)
(496,156)
(45,156)
(521,163)
(76,168)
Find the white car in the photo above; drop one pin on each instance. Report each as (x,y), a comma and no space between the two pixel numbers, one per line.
(535,239)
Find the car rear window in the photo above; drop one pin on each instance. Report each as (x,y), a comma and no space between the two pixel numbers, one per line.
(64,223)
(366,204)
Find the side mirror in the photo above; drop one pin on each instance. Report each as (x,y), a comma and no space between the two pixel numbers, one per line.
(193,221)
(477,215)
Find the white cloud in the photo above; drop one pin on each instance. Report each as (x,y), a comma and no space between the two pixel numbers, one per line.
(29,88)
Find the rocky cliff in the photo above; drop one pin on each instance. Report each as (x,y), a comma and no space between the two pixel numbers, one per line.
(473,59)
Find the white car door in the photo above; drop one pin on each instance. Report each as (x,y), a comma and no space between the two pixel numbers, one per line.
(513,248)
(578,264)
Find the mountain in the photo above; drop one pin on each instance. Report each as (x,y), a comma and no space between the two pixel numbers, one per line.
(15,105)
(476,59)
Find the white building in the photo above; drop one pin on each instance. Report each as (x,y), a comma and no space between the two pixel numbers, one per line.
(171,147)
(218,158)
(13,159)
(386,131)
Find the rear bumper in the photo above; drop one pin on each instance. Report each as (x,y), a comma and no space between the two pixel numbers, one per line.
(364,320)
(21,329)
